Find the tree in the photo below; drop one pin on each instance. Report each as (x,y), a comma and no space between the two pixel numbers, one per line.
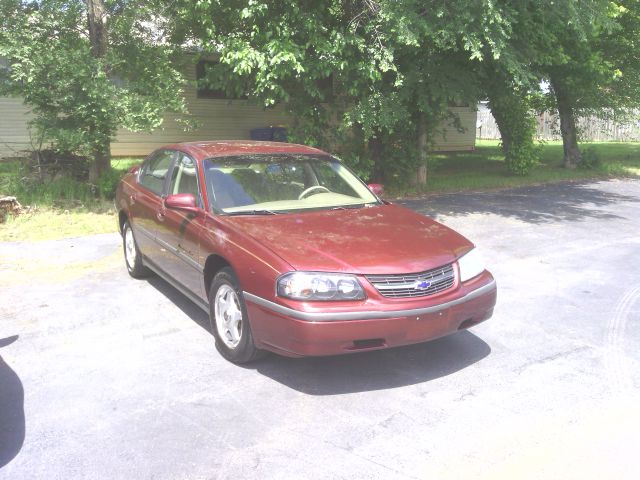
(534,50)
(595,68)
(512,110)
(395,66)
(98,40)
(87,69)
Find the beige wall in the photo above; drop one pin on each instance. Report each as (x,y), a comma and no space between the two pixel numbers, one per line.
(14,134)
(451,140)
(215,120)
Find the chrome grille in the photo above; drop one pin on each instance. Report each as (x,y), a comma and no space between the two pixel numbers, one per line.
(414,284)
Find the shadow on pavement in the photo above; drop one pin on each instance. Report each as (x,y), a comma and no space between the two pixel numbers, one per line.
(376,370)
(537,204)
(366,371)
(12,423)
(189,308)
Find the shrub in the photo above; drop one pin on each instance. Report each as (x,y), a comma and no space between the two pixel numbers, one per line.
(513,113)
(107,184)
(523,154)
(590,158)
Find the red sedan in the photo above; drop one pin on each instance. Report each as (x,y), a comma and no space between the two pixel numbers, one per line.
(289,251)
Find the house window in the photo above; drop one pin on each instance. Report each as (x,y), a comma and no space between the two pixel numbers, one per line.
(207,91)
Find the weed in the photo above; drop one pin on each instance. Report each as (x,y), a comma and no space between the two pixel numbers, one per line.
(590,158)
(61,206)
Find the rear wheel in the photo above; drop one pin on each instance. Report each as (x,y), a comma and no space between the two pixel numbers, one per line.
(132,256)
(229,320)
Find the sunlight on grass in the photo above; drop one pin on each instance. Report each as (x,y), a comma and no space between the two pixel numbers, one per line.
(64,207)
(58,208)
(125,163)
(52,224)
(484,168)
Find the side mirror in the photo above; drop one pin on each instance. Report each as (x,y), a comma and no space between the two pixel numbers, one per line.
(376,188)
(182,201)
(134,169)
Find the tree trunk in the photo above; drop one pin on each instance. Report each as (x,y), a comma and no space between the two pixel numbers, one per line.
(375,150)
(101,163)
(97,18)
(421,173)
(572,155)
(501,116)
(98,38)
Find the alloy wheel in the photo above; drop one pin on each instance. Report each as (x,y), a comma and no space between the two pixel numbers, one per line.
(228,316)
(130,252)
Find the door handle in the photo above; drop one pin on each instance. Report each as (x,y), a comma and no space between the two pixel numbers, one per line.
(160,216)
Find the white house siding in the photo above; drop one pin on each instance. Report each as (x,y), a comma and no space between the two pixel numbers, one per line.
(14,134)
(214,120)
(451,140)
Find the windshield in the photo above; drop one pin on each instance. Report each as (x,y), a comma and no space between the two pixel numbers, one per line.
(277,183)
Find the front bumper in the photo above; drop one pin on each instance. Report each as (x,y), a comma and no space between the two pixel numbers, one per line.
(298,333)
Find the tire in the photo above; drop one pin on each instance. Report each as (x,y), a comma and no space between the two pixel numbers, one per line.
(132,256)
(229,319)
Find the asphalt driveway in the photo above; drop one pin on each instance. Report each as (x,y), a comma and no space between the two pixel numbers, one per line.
(103,376)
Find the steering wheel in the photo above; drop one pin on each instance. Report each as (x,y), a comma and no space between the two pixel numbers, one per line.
(307,191)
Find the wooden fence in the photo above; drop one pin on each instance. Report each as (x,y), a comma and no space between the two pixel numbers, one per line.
(592,129)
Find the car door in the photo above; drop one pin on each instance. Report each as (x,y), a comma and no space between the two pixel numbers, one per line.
(179,231)
(146,204)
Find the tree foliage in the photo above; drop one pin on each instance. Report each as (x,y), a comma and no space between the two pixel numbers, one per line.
(372,79)
(397,65)
(80,99)
(394,66)
(594,67)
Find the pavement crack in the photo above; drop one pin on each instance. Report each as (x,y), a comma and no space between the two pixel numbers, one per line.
(462,397)
(351,451)
(551,358)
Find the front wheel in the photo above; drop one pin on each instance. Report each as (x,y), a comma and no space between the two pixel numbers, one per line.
(132,256)
(229,320)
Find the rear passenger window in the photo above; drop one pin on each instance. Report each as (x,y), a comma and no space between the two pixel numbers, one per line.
(154,172)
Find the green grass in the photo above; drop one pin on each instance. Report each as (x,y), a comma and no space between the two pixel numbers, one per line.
(484,168)
(125,163)
(63,207)
(64,192)
(53,223)
(58,208)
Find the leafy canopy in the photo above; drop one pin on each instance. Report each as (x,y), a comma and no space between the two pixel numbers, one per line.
(80,101)
(388,63)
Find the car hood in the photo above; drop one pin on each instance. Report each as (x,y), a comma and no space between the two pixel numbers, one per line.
(379,239)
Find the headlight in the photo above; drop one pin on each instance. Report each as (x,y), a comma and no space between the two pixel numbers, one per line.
(319,286)
(471,265)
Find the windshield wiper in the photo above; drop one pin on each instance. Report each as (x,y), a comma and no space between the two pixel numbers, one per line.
(253,212)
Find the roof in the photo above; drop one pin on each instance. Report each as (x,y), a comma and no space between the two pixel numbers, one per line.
(240,147)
